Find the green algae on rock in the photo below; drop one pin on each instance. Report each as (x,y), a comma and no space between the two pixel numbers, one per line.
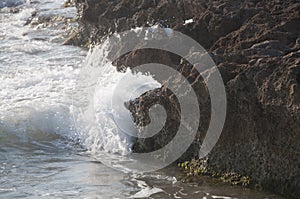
(201,168)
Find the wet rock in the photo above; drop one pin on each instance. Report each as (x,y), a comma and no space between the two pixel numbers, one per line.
(41,21)
(256,47)
(140,107)
(68,3)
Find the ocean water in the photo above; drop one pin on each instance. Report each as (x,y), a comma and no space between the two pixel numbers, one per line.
(51,141)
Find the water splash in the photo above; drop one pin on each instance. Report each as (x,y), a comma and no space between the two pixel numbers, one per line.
(95,120)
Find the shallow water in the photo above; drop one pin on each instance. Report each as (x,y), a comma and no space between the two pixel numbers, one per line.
(50,149)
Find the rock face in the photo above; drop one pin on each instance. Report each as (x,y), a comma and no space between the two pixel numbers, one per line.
(256,45)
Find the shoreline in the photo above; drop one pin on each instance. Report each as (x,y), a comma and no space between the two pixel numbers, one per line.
(256,48)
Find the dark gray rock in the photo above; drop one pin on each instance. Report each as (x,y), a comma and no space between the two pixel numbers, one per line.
(255,44)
